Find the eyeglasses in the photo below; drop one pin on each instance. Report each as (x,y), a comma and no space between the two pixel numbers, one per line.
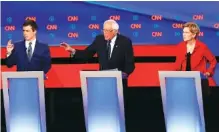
(107,31)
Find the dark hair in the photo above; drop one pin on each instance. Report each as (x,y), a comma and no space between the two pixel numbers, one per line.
(31,23)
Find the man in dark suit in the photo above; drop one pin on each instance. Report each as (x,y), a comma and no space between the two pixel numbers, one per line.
(29,54)
(114,51)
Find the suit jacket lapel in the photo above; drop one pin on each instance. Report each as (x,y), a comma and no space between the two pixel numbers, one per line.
(196,46)
(35,49)
(24,50)
(195,62)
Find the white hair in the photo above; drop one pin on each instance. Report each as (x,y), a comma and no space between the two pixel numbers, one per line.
(115,25)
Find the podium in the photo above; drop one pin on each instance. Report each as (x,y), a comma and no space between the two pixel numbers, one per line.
(182,101)
(103,103)
(24,101)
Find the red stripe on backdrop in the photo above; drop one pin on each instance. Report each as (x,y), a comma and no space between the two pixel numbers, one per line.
(139,50)
(145,74)
(68,75)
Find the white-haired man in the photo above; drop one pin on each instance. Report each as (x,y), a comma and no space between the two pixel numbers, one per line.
(113,50)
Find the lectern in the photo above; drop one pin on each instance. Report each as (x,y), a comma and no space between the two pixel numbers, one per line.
(182,101)
(103,101)
(24,101)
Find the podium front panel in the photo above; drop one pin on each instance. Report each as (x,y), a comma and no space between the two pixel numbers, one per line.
(24,102)
(103,104)
(182,105)
(24,105)
(182,101)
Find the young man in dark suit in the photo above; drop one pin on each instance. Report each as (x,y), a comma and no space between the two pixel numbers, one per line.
(114,51)
(29,54)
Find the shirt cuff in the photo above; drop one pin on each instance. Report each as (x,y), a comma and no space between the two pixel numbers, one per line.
(72,54)
(8,54)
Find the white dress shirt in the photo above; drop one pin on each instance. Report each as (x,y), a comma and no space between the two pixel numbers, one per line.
(32,45)
(112,43)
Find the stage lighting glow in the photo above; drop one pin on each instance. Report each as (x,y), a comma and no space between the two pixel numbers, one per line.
(19,124)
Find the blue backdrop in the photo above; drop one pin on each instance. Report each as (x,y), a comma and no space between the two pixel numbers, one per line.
(144,22)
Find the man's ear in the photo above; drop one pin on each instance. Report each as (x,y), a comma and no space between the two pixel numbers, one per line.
(117,32)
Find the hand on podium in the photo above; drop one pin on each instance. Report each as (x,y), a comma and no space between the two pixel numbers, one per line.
(124,75)
(203,76)
(207,74)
